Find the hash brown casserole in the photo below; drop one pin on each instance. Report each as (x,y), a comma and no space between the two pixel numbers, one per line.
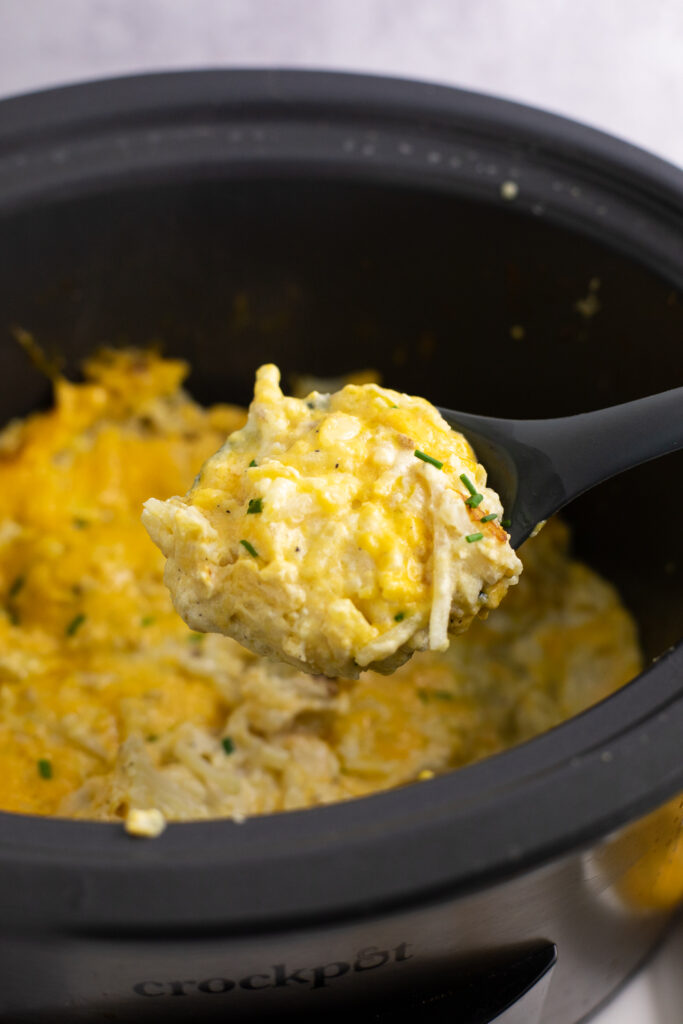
(110,707)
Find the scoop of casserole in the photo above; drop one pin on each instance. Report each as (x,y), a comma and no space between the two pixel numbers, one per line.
(336,532)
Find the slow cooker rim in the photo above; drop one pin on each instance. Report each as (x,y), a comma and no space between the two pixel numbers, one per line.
(160,128)
(436,839)
(50,110)
(96,849)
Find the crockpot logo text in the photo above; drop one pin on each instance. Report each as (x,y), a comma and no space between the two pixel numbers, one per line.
(279,975)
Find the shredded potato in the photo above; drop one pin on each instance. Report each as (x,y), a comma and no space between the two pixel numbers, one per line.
(336,532)
(111,708)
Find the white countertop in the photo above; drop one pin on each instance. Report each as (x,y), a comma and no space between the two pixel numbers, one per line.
(615,65)
(655,994)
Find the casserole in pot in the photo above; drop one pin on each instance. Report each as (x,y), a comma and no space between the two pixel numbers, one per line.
(412,228)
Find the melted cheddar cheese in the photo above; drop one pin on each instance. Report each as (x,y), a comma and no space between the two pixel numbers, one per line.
(111,708)
(337,532)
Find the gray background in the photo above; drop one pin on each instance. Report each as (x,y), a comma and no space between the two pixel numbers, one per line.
(615,64)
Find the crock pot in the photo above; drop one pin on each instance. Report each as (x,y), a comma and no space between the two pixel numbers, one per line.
(449,240)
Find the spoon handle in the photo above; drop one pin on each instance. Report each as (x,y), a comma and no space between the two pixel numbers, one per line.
(540,465)
(590,447)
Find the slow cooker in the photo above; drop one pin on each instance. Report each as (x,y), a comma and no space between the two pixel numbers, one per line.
(414,229)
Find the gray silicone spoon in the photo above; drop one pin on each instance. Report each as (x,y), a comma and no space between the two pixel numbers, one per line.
(538,466)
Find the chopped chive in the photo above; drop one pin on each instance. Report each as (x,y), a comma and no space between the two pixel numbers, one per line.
(228,745)
(400,617)
(428,458)
(506,523)
(147,620)
(489,518)
(195,638)
(474,500)
(252,463)
(75,624)
(250,548)
(45,768)
(255,505)
(152,738)
(16,586)
(79,523)
(468,484)
(472,537)
(13,616)
(426,695)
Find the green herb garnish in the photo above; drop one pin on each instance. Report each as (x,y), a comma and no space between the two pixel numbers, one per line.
(45,768)
(152,738)
(250,548)
(400,617)
(255,505)
(75,624)
(488,518)
(252,463)
(12,613)
(474,500)
(147,620)
(79,523)
(426,695)
(195,638)
(468,484)
(228,745)
(506,523)
(428,458)
(472,537)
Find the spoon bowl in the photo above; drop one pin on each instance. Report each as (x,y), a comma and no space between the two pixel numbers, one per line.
(539,466)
